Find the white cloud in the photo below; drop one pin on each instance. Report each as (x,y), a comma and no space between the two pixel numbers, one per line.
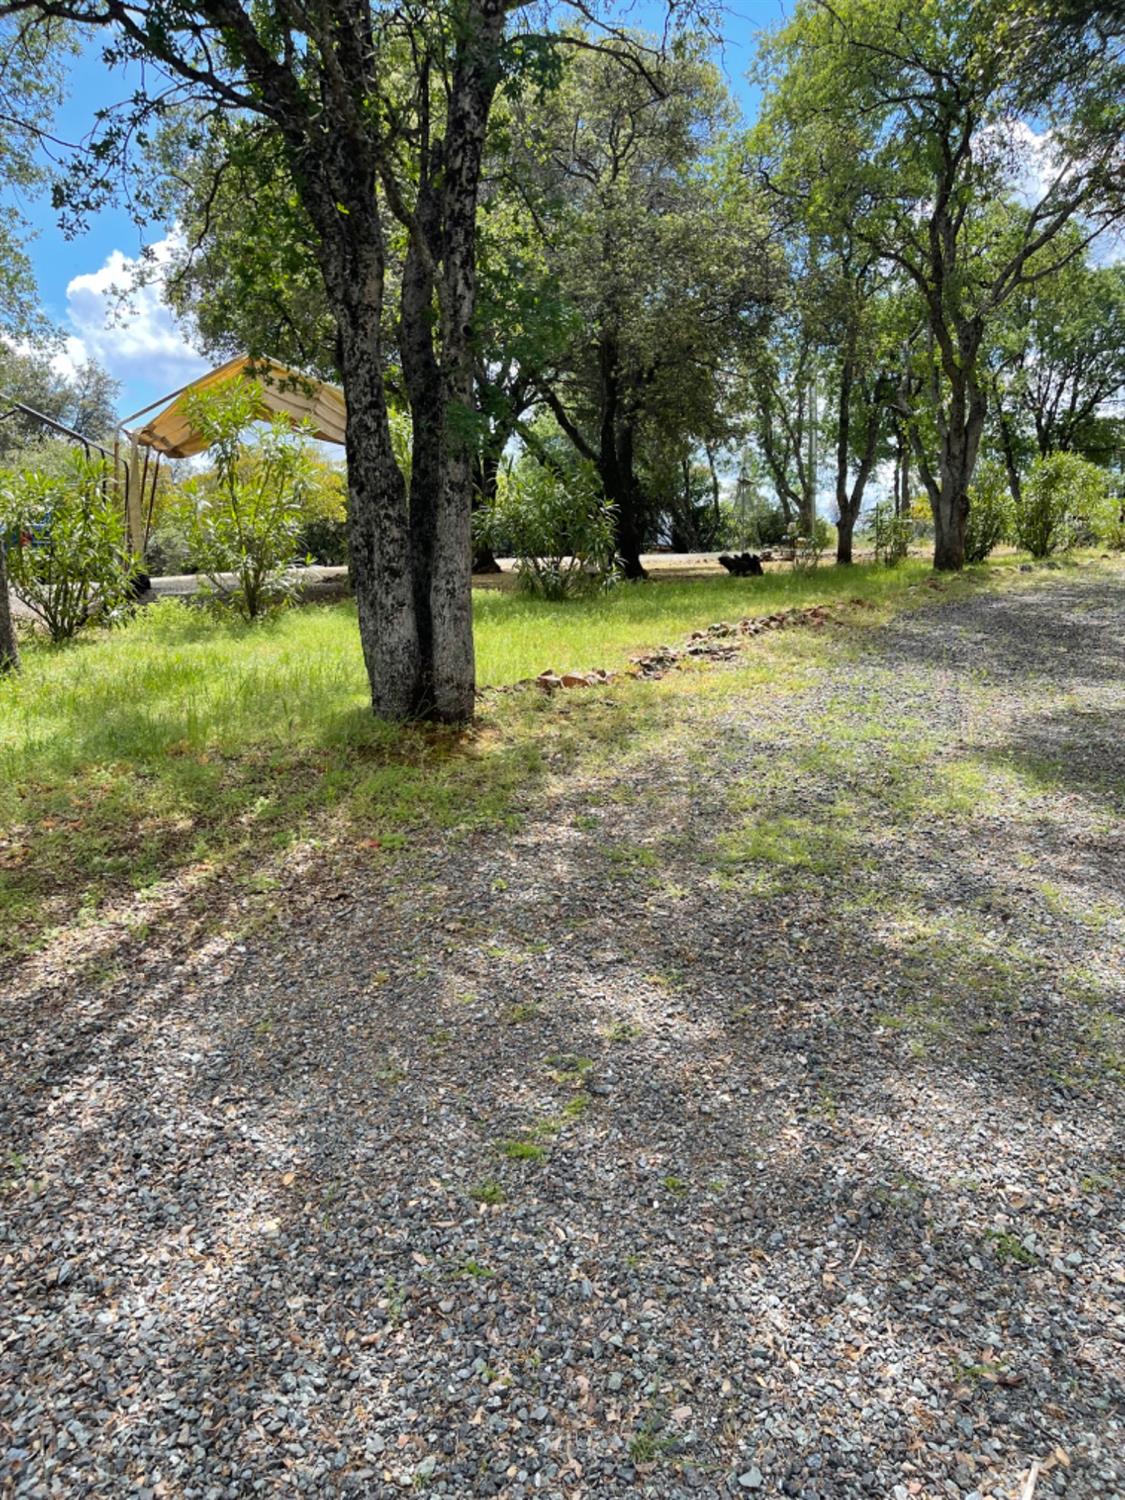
(66,361)
(126,326)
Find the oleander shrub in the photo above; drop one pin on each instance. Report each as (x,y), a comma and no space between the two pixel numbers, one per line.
(64,530)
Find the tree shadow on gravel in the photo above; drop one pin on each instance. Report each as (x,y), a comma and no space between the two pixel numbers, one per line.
(1066,627)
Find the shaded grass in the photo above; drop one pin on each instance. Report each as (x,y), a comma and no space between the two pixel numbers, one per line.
(182,741)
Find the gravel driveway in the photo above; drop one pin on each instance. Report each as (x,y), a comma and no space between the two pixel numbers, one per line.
(623,1154)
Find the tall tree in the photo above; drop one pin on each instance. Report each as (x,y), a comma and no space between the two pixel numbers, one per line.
(936,104)
(378,113)
(1057,362)
(781,365)
(84,400)
(661,261)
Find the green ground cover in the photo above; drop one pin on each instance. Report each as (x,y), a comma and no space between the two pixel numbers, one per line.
(180,741)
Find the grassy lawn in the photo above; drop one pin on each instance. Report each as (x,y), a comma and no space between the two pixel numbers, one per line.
(182,742)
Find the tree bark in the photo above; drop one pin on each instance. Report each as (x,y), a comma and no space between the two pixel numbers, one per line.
(422,378)
(849,502)
(9,647)
(949,497)
(352,262)
(845,531)
(623,488)
(475,77)
(1011,462)
(378,528)
(616,465)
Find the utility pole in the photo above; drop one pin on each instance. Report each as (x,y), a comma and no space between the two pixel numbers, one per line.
(809,519)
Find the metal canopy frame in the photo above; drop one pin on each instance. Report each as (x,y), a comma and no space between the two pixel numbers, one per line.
(22,409)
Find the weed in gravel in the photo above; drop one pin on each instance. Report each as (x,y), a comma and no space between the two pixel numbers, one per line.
(390,1074)
(489,1191)
(552,1125)
(650,1442)
(474,1269)
(627,858)
(1099,1182)
(1007,1247)
(393,1300)
(622,1031)
(522,1151)
(522,1011)
(771,850)
(568,1068)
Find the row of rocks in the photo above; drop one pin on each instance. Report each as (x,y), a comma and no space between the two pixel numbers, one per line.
(712,644)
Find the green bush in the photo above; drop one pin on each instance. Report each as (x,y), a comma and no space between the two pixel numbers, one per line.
(891,534)
(68,562)
(324,541)
(1109,523)
(560,531)
(991,516)
(1064,503)
(241,521)
(809,547)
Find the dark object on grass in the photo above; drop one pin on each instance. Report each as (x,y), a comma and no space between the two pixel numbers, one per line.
(139,585)
(743,565)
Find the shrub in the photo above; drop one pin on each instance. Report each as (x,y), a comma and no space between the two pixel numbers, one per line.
(766,526)
(67,557)
(1107,518)
(560,531)
(990,517)
(324,541)
(891,534)
(809,548)
(168,551)
(921,516)
(242,519)
(1064,502)
(1110,530)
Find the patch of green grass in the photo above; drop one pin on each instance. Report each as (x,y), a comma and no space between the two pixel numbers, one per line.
(489,1191)
(1007,1247)
(522,1151)
(783,845)
(628,857)
(475,1269)
(622,1031)
(650,1443)
(568,1067)
(183,743)
(523,1011)
(552,1125)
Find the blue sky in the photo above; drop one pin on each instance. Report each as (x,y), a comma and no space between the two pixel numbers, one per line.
(143,348)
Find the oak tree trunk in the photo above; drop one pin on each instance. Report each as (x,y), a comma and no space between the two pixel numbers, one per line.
(960,427)
(845,531)
(352,262)
(9,648)
(476,75)
(849,500)
(378,527)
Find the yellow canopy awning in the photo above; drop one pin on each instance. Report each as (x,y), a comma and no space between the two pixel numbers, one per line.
(284,391)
